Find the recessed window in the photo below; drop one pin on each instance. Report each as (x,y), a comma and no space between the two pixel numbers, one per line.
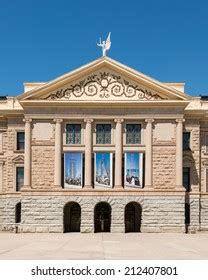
(186,178)
(73,134)
(20,141)
(103,134)
(133,134)
(186,141)
(19,178)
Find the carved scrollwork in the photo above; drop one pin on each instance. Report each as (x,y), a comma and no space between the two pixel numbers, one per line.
(103,85)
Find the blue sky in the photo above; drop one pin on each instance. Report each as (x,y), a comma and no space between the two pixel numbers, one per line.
(42,39)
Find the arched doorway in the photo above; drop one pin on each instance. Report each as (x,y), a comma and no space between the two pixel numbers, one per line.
(18,213)
(72,217)
(102,217)
(133,217)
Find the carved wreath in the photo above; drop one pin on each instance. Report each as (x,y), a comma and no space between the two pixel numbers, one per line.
(104,84)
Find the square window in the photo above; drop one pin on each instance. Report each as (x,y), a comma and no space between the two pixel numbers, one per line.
(20,141)
(133,134)
(19,178)
(186,140)
(73,134)
(103,134)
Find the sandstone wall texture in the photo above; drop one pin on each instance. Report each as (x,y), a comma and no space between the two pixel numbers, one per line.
(164,167)
(45,213)
(42,167)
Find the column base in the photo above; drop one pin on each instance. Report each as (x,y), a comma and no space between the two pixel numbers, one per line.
(26,188)
(57,187)
(88,187)
(180,188)
(148,188)
(118,187)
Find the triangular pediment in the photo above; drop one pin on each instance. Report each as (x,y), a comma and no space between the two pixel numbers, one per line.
(18,159)
(103,80)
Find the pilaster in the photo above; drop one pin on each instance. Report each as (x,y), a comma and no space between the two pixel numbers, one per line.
(58,153)
(27,157)
(118,153)
(179,154)
(88,154)
(148,154)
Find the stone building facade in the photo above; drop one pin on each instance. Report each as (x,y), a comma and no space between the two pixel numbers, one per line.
(103,148)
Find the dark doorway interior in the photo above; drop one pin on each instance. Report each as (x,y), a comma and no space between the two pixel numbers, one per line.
(18,213)
(72,217)
(187,217)
(102,217)
(133,217)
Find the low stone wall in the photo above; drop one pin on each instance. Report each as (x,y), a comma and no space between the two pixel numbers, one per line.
(45,213)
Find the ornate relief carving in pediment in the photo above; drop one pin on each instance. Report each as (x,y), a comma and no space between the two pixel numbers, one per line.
(103,85)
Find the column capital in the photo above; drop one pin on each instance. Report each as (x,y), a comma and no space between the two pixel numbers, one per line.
(118,120)
(88,120)
(58,120)
(149,120)
(27,120)
(180,120)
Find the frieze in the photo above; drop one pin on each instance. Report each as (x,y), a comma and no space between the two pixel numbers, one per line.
(104,85)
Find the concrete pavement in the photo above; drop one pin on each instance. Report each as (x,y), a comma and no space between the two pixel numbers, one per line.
(103,246)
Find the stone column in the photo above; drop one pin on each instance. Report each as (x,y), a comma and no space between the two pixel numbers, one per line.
(118,153)
(58,153)
(27,159)
(179,153)
(88,154)
(148,154)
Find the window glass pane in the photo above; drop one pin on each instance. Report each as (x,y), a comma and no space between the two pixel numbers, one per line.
(107,132)
(20,141)
(19,178)
(186,178)
(73,134)
(103,134)
(133,134)
(186,140)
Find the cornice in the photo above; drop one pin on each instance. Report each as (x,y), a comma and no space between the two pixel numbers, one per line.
(106,103)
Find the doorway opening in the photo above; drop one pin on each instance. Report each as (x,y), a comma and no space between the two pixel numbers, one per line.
(133,217)
(72,217)
(102,217)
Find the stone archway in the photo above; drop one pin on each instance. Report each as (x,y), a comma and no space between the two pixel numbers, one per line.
(133,217)
(102,217)
(72,217)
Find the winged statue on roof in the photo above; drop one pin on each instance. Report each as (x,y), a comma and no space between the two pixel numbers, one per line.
(105,45)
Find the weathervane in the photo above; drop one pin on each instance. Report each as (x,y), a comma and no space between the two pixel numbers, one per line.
(105,45)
